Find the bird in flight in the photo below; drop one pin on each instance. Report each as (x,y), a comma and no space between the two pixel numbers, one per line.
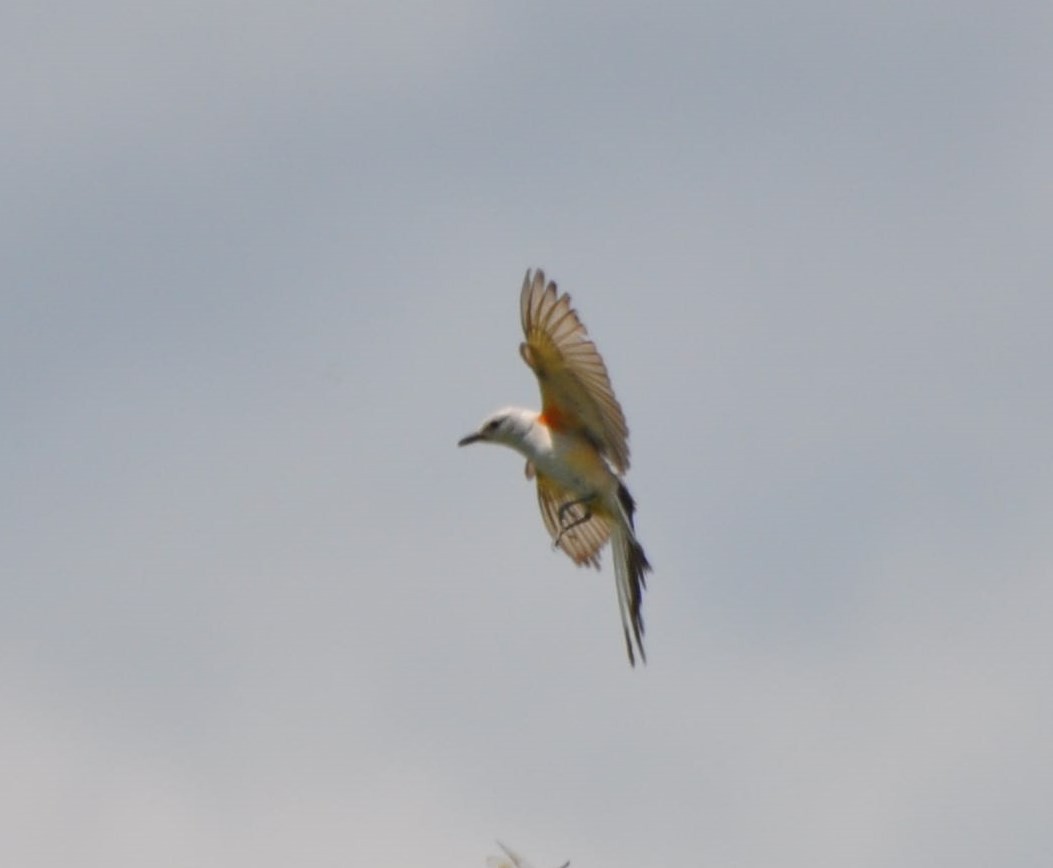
(576,447)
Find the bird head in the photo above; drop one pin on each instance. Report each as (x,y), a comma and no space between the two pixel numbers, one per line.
(507,427)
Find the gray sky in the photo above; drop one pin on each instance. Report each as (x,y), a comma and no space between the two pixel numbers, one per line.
(260,272)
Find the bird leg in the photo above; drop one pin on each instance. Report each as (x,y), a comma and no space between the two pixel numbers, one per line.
(561,514)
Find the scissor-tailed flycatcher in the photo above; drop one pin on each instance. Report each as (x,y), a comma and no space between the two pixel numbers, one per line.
(576,447)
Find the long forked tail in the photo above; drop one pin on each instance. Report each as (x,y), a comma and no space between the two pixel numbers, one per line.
(630,568)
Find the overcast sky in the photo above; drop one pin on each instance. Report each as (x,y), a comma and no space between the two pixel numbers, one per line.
(260,272)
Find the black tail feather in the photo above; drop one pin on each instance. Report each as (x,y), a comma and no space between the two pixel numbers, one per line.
(627,502)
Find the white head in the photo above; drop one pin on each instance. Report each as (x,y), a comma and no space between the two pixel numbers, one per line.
(508,427)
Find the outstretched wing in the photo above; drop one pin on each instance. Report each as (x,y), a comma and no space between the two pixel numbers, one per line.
(582,543)
(576,391)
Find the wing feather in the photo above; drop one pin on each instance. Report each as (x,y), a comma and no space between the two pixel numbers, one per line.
(582,544)
(576,391)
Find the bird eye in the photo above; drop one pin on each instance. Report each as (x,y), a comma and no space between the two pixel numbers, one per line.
(492,424)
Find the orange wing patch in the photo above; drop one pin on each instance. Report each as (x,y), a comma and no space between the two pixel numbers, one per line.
(555,418)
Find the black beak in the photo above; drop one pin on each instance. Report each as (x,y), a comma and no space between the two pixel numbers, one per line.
(471,438)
